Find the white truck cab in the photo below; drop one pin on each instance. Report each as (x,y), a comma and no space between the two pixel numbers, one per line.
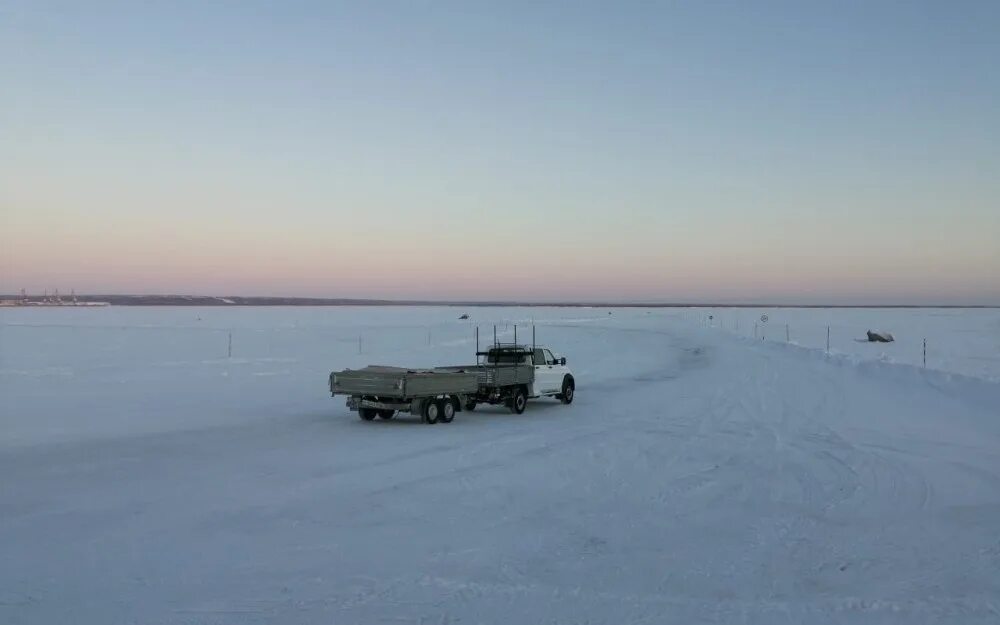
(552,377)
(548,376)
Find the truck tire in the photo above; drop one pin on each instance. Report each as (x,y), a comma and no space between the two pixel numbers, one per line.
(367,414)
(518,401)
(446,410)
(430,411)
(568,390)
(470,406)
(386,414)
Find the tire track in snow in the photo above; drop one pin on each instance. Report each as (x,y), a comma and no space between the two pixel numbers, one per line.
(838,479)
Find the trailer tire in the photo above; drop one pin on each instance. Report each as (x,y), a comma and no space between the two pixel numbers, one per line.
(430,412)
(518,401)
(470,406)
(386,414)
(446,409)
(568,390)
(367,414)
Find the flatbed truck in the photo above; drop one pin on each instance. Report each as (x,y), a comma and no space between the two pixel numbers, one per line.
(507,374)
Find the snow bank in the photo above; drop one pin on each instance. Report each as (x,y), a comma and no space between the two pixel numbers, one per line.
(965,341)
(983,392)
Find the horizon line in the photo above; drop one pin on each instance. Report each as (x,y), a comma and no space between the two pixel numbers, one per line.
(172,299)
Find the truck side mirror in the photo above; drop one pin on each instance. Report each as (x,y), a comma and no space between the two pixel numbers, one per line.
(562,360)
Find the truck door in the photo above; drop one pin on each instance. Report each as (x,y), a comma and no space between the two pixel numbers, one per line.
(559,371)
(547,379)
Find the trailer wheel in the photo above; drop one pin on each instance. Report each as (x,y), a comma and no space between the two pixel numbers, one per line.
(447,411)
(470,406)
(568,390)
(367,414)
(386,414)
(519,401)
(430,412)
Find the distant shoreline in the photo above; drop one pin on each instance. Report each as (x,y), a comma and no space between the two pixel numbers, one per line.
(13,301)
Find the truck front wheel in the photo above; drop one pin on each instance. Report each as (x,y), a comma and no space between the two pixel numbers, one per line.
(367,414)
(568,390)
(518,401)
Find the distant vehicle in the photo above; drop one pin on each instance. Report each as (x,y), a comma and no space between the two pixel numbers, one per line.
(880,337)
(507,374)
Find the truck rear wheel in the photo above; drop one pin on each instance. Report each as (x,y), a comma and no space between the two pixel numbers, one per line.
(386,414)
(470,406)
(367,414)
(430,412)
(447,411)
(518,401)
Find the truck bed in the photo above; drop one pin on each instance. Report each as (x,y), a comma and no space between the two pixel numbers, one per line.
(498,375)
(401,382)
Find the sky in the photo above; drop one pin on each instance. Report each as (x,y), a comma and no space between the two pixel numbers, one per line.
(741,152)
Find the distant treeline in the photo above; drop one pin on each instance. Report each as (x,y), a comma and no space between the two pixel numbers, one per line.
(234,300)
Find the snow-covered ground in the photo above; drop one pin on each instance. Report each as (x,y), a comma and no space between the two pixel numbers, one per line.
(700,475)
(960,340)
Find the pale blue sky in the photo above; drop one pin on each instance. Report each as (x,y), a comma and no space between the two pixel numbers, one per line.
(738,151)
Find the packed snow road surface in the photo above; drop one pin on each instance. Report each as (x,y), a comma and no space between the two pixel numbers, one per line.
(698,477)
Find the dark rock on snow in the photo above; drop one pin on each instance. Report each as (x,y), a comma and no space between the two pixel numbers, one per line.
(879,337)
